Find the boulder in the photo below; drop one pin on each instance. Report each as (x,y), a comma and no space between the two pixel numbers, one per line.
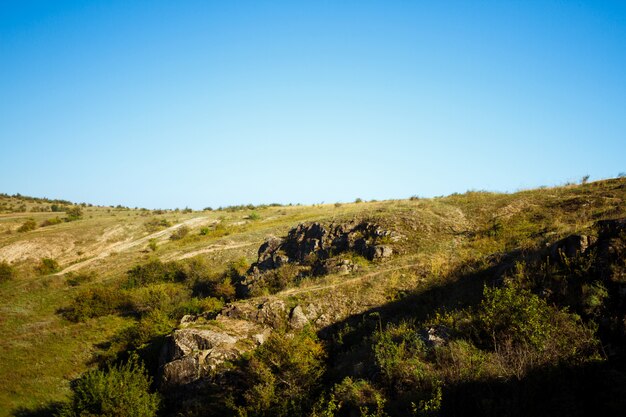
(570,247)
(435,336)
(192,353)
(271,313)
(312,244)
(381,252)
(297,318)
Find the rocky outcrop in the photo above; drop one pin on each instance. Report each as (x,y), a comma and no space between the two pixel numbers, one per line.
(610,252)
(201,345)
(570,247)
(317,249)
(311,241)
(193,352)
(607,252)
(435,336)
(298,319)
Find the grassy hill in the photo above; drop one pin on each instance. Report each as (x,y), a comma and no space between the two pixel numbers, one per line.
(69,304)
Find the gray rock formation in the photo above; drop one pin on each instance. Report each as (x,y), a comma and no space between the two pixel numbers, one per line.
(317,248)
(194,352)
(297,319)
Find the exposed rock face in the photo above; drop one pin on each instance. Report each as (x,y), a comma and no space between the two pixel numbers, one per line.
(191,353)
(318,247)
(570,247)
(610,251)
(297,319)
(268,312)
(435,336)
(314,239)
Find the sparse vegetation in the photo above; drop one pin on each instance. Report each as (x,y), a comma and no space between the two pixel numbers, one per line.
(73,214)
(27,226)
(7,272)
(474,314)
(180,233)
(47,266)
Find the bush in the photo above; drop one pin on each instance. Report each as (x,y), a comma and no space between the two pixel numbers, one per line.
(51,222)
(153,272)
(27,226)
(525,332)
(513,313)
(162,296)
(76,279)
(359,398)
(153,325)
(95,302)
(119,391)
(47,266)
(179,233)
(74,213)
(157,224)
(399,354)
(254,216)
(7,272)
(285,372)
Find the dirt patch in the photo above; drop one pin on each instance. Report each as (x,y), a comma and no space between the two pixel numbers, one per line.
(37,248)
(209,249)
(132,243)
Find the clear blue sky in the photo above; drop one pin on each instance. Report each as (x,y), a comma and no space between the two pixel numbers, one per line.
(198,103)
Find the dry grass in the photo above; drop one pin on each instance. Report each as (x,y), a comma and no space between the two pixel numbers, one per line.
(42,351)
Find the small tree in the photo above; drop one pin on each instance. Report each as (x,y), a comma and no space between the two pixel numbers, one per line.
(75,213)
(28,225)
(180,233)
(119,391)
(6,272)
(47,266)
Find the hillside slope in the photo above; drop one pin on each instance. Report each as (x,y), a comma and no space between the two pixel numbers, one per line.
(400,333)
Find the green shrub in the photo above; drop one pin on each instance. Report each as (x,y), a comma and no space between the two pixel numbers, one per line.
(359,398)
(7,272)
(513,313)
(197,306)
(222,285)
(278,279)
(152,245)
(74,213)
(51,222)
(285,372)
(154,324)
(47,266)
(204,231)
(254,216)
(593,297)
(96,302)
(155,224)
(119,391)
(159,296)
(75,279)
(153,272)
(399,353)
(525,332)
(179,233)
(27,226)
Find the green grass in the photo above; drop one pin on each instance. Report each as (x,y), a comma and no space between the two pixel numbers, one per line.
(42,351)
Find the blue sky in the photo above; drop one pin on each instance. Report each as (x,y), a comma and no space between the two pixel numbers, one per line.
(211,103)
